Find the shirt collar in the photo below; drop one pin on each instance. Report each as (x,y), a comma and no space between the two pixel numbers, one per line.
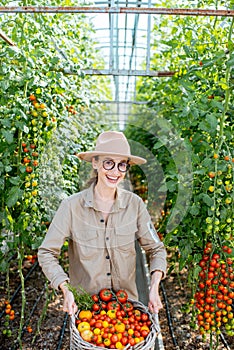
(120,202)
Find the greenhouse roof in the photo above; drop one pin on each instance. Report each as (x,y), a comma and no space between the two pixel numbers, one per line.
(123,36)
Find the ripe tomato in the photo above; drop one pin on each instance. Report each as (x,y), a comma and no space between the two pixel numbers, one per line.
(122,296)
(105,294)
(87,335)
(104,305)
(113,305)
(96,307)
(95,298)
(127,306)
(120,327)
(124,340)
(83,326)
(114,338)
(29,169)
(85,314)
(144,317)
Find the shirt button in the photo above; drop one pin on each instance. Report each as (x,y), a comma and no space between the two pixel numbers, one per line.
(108,273)
(107,257)
(107,238)
(101,220)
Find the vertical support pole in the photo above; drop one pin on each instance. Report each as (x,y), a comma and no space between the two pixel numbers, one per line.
(148,40)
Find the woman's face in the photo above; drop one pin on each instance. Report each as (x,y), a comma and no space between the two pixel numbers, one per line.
(111,170)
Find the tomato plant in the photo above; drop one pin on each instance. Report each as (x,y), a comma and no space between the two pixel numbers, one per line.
(43,123)
(187,130)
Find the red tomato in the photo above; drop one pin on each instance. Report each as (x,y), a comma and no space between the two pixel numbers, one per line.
(113,305)
(114,338)
(92,322)
(95,298)
(104,305)
(144,333)
(105,294)
(124,340)
(144,317)
(131,341)
(122,296)
(95,307)
(98,324)
(127,306)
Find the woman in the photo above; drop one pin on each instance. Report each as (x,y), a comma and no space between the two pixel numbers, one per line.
(101,224)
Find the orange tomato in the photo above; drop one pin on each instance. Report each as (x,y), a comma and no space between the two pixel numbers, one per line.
(120,327)
(87,335)
(85,314)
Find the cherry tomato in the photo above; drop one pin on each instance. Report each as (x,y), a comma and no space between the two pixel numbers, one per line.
(96,307)
(95,298)
(113,305)
(127,306)
(114,338)
(105,294)
(122,296)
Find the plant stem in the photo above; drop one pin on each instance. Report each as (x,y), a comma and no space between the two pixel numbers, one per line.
(227,95)
(48,297)
(23,298)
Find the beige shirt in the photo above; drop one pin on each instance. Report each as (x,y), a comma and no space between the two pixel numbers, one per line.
(101,255)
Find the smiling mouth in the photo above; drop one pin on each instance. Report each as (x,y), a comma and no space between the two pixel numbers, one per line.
(110,178)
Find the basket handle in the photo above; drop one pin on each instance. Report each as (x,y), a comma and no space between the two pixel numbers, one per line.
(156,322)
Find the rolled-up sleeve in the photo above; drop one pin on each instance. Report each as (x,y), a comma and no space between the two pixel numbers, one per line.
(49,251)
(150,241)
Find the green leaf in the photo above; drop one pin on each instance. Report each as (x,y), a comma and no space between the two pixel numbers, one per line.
(13,196)
(15,180)
(195,209)
(8,136)
(207,199)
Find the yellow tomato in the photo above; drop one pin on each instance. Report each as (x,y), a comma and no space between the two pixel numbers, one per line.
(103,312)
(105,324)
(120,327)
(111,313)
(119,345)
(83,326)
(97,331)
(87,335)
(145,328)
(130,331)
(119,335)
(85,314)
(107,342)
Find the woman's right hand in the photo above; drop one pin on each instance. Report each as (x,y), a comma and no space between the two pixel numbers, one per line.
(69,304)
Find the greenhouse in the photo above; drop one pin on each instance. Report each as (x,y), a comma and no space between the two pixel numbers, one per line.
(159,77)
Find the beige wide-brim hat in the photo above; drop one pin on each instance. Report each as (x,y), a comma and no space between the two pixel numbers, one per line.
(112,143)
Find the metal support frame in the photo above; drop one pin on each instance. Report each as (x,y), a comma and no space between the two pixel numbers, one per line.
(117,10)
(125,72)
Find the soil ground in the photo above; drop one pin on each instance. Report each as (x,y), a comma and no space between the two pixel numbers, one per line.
(175,287)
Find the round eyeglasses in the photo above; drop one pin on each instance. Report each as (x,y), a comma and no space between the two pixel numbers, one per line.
(109,164)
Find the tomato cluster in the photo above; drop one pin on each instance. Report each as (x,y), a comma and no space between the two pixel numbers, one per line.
(10,316)
(113,321)
(215,294)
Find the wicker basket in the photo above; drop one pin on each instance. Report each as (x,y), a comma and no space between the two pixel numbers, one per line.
(77,343)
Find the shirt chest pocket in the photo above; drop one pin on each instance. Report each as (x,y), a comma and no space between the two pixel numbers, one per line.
(87,244)
(126,236)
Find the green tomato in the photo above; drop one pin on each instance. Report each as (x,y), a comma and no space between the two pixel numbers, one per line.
(209,220)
